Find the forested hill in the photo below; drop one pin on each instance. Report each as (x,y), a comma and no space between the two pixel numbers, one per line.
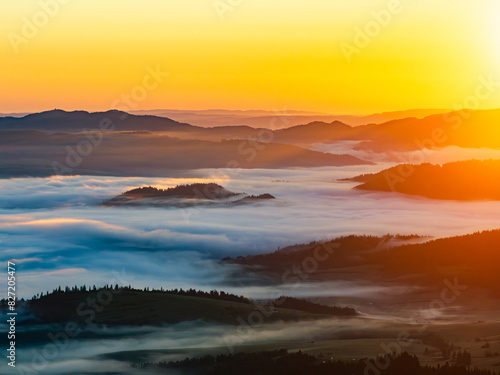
(463,180)
(115,305)
(298,363)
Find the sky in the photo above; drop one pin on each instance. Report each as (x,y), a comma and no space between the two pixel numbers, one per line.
(357,56)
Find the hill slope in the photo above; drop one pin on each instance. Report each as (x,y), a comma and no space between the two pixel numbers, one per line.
(147,154)
(473,129)
(127,306)
(78,121)
(184,195)
(464,180)
(472,258)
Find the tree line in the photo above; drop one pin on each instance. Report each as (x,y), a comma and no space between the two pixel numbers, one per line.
(213,294)
(280,362)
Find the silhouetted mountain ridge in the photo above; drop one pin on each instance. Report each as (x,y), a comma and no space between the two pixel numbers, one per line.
(474,129)
(78,121)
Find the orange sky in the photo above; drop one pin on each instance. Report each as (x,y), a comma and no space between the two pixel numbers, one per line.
(256,54)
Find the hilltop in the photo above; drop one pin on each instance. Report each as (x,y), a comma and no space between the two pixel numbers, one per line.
(200,190)
(472,258)
(463,180)
(146,154)
(129,306)
(471,128)
(256,198)
(198,193)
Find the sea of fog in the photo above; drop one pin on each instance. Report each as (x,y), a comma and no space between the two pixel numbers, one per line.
(434,156)
(57,233)
(112,350)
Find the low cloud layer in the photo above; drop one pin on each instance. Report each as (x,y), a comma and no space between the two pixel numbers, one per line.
(174,342)
(60,235)
(434,156)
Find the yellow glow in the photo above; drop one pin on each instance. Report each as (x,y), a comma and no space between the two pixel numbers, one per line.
(495,32)
(51,222)
(262,54)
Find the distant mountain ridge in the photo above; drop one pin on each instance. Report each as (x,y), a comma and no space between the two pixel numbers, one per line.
(474,129)
(270,119)
(283,118)
(77,121)
(34,153)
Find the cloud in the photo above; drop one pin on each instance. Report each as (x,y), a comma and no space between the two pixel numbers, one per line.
(174,342)
(66,228)
(435,156)
(65,271)
(25,260)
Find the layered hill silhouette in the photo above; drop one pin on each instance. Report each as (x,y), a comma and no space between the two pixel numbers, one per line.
(34,153)
(273,119)
(31,145)
(182,195)
(463,180)
(152,120)
(76,121)
(466,128)
(469,129)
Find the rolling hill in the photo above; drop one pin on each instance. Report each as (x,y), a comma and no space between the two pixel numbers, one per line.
(471,258)
(28,152)
(184,195)
(270,119)
(474,129)
(128,306)
(464,180)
